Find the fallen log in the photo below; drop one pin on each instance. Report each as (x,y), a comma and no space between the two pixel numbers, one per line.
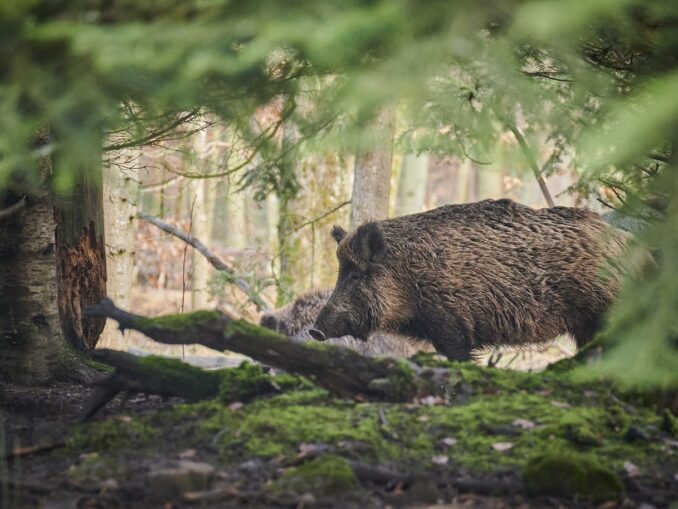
(340,370)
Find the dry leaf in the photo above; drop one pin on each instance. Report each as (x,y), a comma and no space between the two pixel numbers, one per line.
(439,460)
(188,453)
(524,423)
(560,404)
(447,442)
(631,469)
(502,446)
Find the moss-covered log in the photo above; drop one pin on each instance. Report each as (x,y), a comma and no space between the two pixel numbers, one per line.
(339,370)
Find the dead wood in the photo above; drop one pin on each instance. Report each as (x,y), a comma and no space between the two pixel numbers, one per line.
(342,371)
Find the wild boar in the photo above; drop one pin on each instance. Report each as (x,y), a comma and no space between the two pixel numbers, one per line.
(475,276)
(296,319)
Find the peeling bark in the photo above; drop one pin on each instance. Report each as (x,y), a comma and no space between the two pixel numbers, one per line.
(81,280)
(81,258)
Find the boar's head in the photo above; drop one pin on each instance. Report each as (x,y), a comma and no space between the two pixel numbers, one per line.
(367,294)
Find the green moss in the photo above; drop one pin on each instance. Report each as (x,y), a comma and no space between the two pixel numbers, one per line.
(669,423)
(401,381)
(197,383)
(112,435)
(481,414)
(93,468)
(578,431)
(328,475)
(245,382)
(570,475)
(245,328)
(180,322)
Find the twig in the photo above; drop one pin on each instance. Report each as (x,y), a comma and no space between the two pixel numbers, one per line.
(13,208)
(527,153)
(31,486)
(515,356)
(214,260)
(160,185)
(321,216)
(494,358)
(154,135)
(531,161)
(21,452)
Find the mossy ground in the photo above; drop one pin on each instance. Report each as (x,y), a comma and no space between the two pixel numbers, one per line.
(534,412)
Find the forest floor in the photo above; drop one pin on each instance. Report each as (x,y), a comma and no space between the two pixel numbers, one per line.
(500,439)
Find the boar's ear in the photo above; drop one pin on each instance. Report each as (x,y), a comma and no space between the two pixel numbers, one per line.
(338,233)
(371,243)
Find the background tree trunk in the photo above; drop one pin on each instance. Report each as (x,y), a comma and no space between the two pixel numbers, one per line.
(288,243)
(121,197)
(372,175)
(412,184)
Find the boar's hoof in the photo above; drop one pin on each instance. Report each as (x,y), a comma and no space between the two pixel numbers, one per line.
(317,334)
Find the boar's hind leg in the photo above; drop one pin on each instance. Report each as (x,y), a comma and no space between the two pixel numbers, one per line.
(454,349)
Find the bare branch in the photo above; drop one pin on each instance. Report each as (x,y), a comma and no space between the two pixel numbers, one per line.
(13,209)
(155,135)
(214,260)
(531,161)
(322,216)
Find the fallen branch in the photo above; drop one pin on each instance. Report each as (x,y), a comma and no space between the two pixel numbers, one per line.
(214,260)
(31,450)
(173,378)
(342,371)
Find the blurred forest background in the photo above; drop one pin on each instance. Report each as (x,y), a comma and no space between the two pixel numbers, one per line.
(188,182)
(255,126)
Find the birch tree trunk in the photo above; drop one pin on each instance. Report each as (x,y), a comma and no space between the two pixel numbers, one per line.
(372,174)
(52,264)
(202,217)
(203,214)
(121,196)
(412,184)
(33,348)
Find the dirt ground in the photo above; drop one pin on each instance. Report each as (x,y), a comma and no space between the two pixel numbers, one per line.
(38,472)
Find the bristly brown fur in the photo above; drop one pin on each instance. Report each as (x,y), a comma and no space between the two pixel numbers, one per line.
(477,275)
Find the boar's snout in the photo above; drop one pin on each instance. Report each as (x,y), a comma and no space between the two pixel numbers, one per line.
(332,324)
(269,321)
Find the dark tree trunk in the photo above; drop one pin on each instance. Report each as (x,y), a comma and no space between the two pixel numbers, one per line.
(81,259)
